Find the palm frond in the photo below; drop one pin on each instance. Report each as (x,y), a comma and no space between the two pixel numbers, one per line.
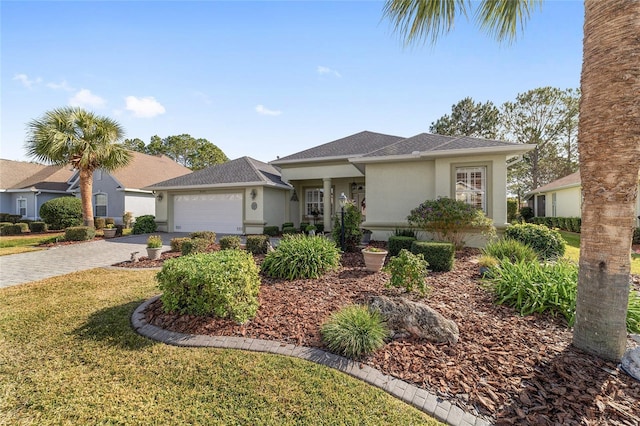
(503,18)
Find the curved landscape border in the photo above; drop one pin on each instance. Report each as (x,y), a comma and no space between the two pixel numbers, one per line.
(423,400)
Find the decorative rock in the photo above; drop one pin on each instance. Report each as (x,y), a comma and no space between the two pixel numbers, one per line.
(134,256)
(417,319)
(631,362)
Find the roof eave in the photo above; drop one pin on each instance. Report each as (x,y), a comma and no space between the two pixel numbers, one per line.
(215,186)
(555,188)
(313,160)
(428,155)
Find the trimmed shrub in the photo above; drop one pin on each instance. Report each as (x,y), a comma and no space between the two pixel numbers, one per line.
(207,235)
(224,284)
(230,242)
(272,231)
(10,218)
(576,224)
(257,244)
(408,270)
(301,257)
(195,245)
(526,213)
(38,227)
(354,331)
(397,243)
(288,225)
(3,224)
(145,224)
(289,230)
(176,243)
(24,226)
(450,220)
(303,226)
(510,249)
(512,209)
(405,232)
(320,228)
(62,212)
(11,229)
(99,222)
(352,231)
(79,233)
(548,243)
(440,256)
(636,236)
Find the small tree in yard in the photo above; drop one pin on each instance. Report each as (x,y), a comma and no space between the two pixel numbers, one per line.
(352,231)
(450,220)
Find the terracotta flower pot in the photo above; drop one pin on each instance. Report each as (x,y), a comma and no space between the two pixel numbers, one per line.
(374,260)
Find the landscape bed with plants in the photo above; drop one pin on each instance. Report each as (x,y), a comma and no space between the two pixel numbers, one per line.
(507,367)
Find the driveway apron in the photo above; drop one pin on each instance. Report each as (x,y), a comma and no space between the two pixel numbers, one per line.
(37,265)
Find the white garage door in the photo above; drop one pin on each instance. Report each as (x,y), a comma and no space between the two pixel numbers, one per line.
(221,213)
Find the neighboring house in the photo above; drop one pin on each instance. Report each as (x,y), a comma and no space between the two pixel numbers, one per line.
(562,198)
(236,197)
(120,191)
(385,175)
(24,187)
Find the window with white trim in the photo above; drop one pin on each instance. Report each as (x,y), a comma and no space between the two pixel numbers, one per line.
(471,186)
(100,204)
(314,202)
(21,206)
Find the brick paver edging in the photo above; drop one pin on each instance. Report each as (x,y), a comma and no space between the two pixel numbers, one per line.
(419,398)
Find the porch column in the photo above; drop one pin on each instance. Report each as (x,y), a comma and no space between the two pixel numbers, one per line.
(326,220)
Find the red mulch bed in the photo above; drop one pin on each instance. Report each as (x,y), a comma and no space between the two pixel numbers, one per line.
(506,368)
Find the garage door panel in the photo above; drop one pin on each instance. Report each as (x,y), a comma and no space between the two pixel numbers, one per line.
(221,213)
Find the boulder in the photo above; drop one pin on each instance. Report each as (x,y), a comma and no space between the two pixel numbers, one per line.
(631,362)
(418,320)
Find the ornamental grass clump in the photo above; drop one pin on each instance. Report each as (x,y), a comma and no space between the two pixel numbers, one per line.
(354,331)
(407,271)
(224,284)
(298,256)
(450,220)
(510,249)
(548,243)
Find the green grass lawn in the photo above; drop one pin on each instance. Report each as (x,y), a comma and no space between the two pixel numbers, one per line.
(12,244)
(68,355)
(573,251)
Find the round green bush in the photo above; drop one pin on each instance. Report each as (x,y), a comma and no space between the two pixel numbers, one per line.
(225,284)
(79,233)
(354,331)
(207,235)
(230,242)
(195,245)
(298,256)
(62,212)
(145,224)
(548,243)
(510,249)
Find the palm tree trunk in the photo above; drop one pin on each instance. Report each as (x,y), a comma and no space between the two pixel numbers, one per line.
(609,144)
(86,193)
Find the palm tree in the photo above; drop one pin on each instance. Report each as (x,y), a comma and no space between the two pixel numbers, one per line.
(608,141)
(86,141)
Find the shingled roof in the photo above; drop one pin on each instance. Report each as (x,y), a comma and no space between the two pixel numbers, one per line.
(427,142)
(15,175)
(239,172)
(350,146)
(144,170)
(564,182)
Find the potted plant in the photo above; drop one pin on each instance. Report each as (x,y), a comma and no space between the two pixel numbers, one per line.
(374,258)
(154,246)
(109,230)
(311,230)
(486,262)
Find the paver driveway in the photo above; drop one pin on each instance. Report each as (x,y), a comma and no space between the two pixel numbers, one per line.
(37,265)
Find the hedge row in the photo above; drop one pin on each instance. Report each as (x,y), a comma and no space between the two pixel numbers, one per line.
(571,224)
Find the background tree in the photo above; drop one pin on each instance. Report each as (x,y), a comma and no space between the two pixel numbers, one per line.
(80,138)
(608,134)
(469,118)
(193,153)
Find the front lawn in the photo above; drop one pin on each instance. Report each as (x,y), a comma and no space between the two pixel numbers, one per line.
(68,355)
(573,251)
(12,244)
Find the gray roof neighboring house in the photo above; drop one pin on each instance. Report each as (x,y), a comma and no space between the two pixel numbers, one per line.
(242,171)
(350,146)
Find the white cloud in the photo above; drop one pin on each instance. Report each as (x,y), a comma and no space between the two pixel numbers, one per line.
(63,85)
(260,109)
(144,107)
(26,81)
(84,98)
(326,70)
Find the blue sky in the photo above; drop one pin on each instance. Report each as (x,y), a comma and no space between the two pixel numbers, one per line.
(262,79)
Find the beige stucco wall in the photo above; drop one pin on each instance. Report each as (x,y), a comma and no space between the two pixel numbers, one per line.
(567,202)
(275,206)
(324,170)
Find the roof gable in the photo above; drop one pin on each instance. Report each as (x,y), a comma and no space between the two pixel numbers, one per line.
(350,146)
(570,180)
(243,170)
(144,170)
(20,175)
